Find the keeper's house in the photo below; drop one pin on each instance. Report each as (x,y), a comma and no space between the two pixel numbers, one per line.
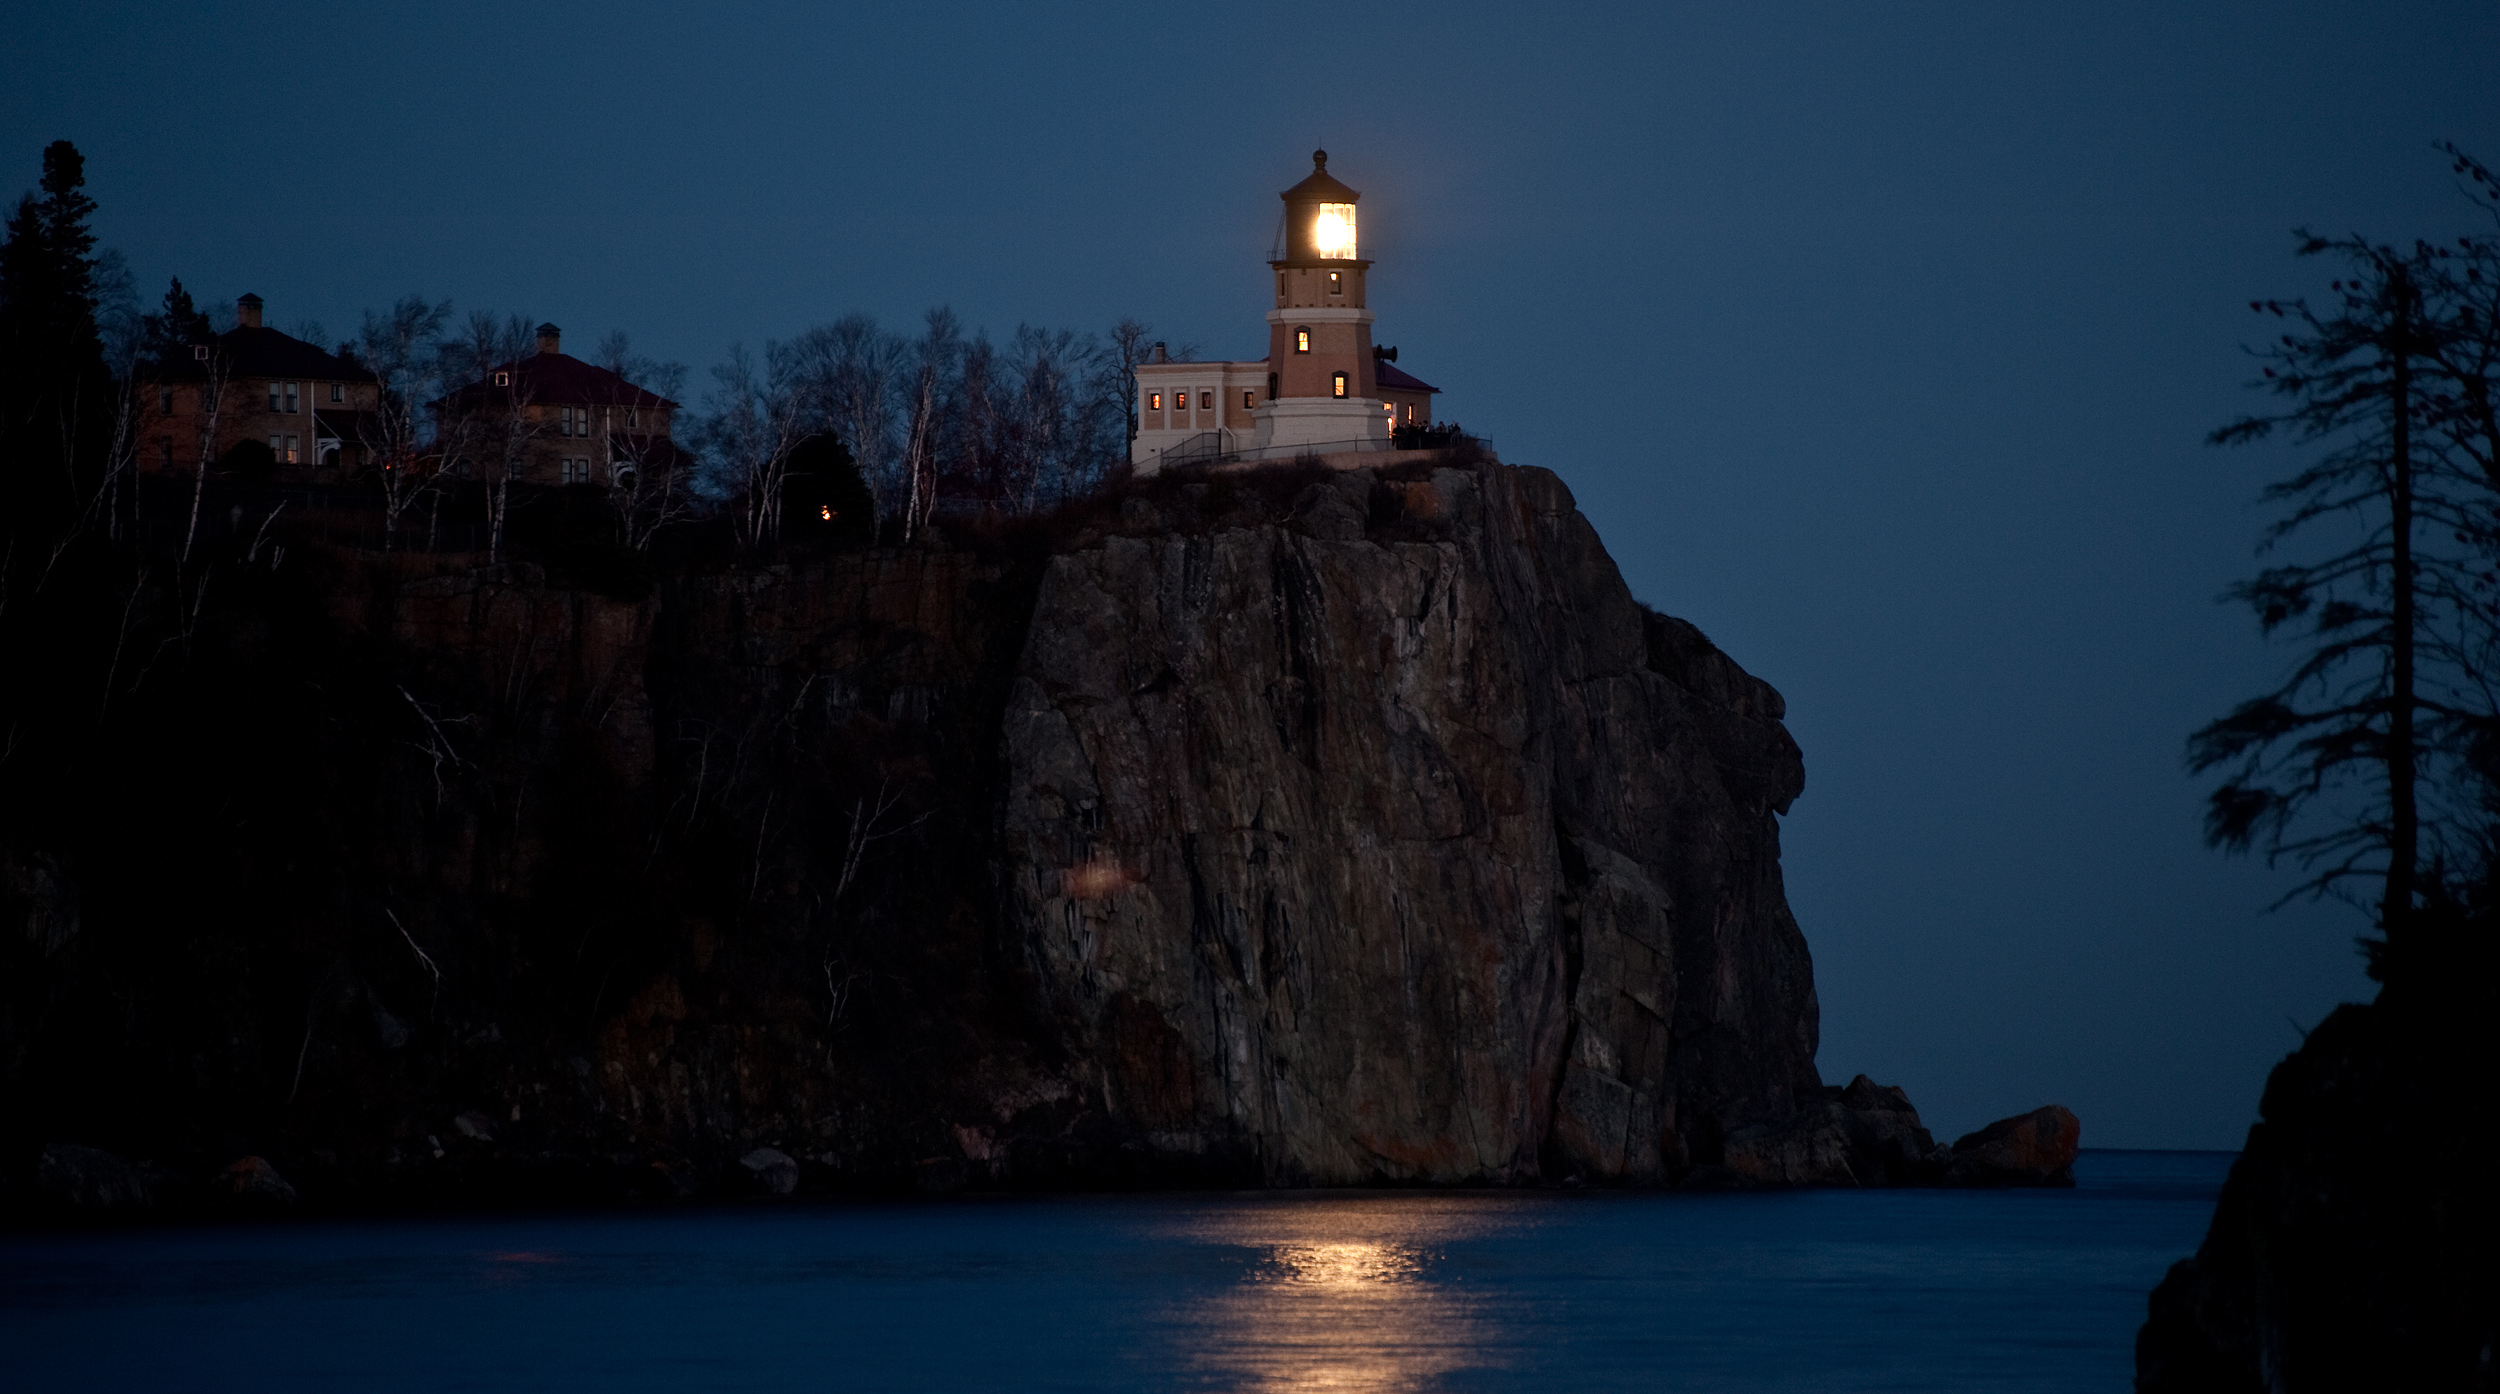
(255,384)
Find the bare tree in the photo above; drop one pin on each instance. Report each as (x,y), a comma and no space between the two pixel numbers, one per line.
(399,346)
(661,379)
(493,413)
(758,417)
(1060,429)
(848,370)
(644,485)
(643,473)
(933,371)
(1127,345)
(214,385)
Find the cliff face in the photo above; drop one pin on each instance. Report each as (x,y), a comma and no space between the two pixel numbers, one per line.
(1288,828)
(1376,843)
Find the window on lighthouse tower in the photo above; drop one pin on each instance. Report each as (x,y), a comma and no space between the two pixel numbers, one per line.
(1302,341)
(1338,384)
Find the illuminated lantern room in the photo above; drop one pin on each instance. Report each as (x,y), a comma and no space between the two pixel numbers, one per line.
(1319,217)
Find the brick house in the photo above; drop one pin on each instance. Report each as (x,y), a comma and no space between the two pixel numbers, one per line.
(567,421)
(307,403)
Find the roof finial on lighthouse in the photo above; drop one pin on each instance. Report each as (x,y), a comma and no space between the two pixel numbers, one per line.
(1319,161)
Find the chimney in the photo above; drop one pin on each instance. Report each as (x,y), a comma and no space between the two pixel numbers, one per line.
(1160,355)
(548,337)
(247,310)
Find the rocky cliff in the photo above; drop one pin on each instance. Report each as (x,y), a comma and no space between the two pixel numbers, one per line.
(2354,1245)
(1289,827)
(1392,841)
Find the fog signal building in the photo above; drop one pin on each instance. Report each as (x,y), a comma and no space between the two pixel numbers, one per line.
(1321,389)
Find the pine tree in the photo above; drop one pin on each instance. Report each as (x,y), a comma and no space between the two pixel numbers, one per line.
(47,274)
(2361,766)
(55,392)
(167,336)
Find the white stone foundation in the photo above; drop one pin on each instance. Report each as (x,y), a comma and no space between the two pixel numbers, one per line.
(1290,425)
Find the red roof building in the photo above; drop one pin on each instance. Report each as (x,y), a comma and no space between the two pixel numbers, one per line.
(1407,397)
(253,383)
(551,418)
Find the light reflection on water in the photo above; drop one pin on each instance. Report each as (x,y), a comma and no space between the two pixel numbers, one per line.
(1338,1295)
(1805,1291)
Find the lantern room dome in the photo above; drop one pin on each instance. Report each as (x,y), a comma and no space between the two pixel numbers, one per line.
(1321,187)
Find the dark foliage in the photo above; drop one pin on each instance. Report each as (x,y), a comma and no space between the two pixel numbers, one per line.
(250,461)
(825,503)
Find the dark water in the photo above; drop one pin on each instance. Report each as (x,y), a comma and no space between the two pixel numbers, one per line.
(1818,1290)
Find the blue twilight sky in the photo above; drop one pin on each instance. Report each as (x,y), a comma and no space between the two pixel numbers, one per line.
(1878,341)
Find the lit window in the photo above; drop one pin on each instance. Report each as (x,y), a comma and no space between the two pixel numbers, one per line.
(1336,283)
(1332,233)
(1302,341)
(1154,401)
(1410,413)
(1248,398)
(1339,379)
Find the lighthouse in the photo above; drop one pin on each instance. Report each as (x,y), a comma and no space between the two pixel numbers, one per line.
(1321,388)
(1319,344)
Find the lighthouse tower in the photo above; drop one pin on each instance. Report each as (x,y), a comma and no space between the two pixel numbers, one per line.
(1320,390)
(1324,390)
